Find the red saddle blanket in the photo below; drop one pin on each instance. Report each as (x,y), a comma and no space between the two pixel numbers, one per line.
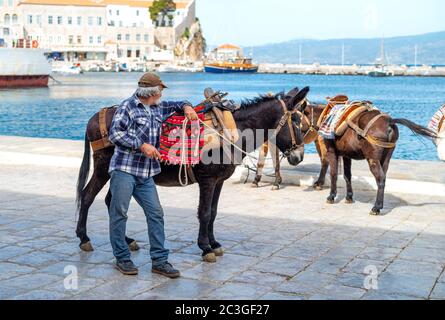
(177,148)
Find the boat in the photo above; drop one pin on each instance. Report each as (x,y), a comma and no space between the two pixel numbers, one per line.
(380,68)
(24,67)
(67,70)
(229,59)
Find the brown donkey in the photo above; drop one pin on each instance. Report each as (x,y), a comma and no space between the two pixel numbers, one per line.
(371,136)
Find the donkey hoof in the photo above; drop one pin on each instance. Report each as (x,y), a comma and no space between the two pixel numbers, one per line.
(255,185)
(275,188)
(375,212)
(330,201)
(218,252)
(134,246)
(87,246)
(209,257)
(349,201)
(318,187)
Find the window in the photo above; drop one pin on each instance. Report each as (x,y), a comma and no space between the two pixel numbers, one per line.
(146,38)
(50,19)
(38,19)
(70,20)
(6,31)
(119,37)
(79,39)
(138,37)
(29,19)
(138,53)
(99,21)
(137,13)
(90,21)
(91,39)
(110,12)
(59,20)
(71,39)
(117,12)
(7,18)
(128,53)
(121,24)
(99,39)
(79,21)
(112,23)
(15,18)
(127,37)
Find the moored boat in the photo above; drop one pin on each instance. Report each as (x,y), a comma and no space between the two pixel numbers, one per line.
(229,59)
(23,67)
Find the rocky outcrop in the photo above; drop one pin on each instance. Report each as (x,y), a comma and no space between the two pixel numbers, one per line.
(192,45)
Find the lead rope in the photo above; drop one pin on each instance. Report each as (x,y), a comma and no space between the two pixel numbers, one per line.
(183,165)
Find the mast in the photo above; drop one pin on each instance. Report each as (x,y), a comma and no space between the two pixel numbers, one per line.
(415,56)
(300,56)
(343,55)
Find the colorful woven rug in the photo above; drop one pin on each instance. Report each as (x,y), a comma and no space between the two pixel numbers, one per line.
(327,128)
(172,144)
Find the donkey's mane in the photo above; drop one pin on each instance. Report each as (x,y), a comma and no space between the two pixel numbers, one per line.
(247,103)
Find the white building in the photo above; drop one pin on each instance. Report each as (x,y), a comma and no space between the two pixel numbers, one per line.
(77,30)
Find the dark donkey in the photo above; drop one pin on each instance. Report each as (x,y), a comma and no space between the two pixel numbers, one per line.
(261,114)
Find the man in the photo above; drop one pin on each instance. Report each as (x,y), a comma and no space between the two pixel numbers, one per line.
(135,132)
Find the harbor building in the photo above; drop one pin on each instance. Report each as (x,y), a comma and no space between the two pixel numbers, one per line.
(79,30)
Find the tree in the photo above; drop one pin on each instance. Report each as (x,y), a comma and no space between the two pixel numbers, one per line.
(161,6)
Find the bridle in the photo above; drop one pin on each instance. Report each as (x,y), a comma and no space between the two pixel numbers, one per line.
(313,128)
(287,118)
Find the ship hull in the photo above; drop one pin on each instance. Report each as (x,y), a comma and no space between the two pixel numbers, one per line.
(214,69)
(24,81)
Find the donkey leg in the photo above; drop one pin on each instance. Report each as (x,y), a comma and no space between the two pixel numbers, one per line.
(276,164)
(132,244)
(347,163)
(322,152)
(206,191)
(261,162)
(216,246)
(333,163)
(380,177)
(90,192)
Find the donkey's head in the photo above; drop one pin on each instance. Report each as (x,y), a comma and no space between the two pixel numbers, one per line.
(289,139)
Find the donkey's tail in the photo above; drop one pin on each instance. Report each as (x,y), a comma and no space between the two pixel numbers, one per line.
(415,128)
(83,172)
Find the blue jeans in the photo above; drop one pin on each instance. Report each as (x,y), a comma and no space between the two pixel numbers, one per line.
(123,186)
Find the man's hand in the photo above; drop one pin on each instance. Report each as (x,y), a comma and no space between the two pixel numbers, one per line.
(190,113)
(150,151)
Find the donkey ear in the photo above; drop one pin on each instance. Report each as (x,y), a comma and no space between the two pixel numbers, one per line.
(300,96)
(292,93)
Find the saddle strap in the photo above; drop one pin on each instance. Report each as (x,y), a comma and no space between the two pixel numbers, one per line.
(191,174)
(364,133)
(104,142)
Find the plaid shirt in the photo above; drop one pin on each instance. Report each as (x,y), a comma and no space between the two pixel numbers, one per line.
(133,125)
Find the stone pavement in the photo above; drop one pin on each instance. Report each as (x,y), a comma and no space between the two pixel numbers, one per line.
(279,245)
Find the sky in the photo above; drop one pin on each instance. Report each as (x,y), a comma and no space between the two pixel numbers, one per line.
(256,22)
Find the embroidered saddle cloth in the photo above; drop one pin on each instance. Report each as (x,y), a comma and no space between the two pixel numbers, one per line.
(338,112)
(437,122)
